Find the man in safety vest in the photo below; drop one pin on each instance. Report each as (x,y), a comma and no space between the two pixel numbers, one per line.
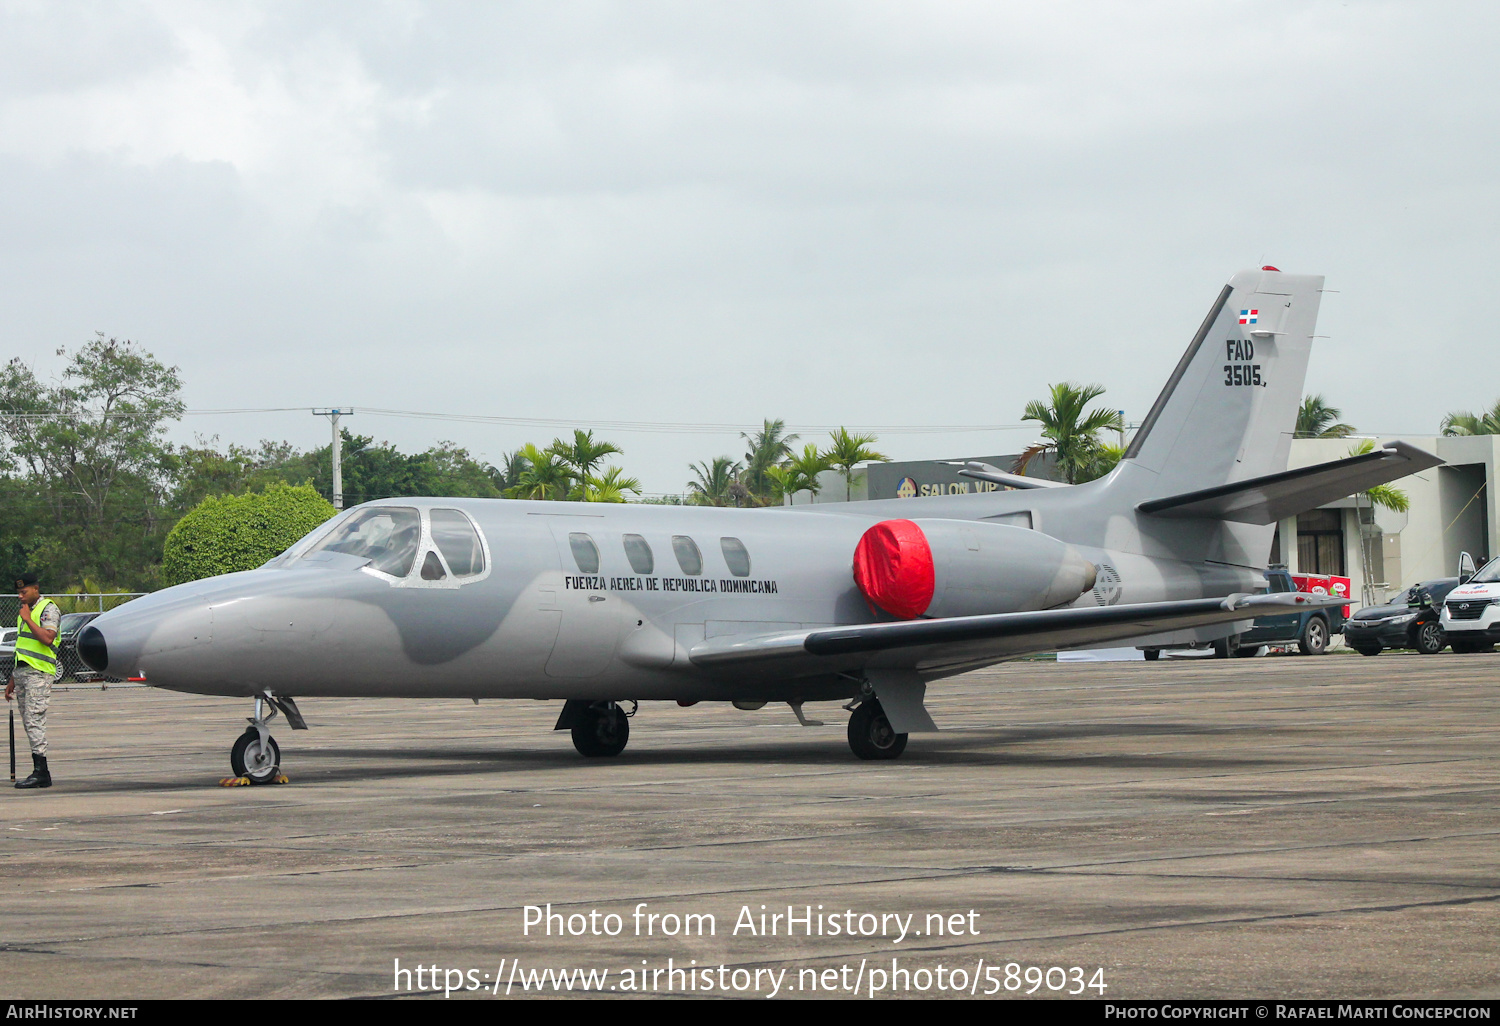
(35,669)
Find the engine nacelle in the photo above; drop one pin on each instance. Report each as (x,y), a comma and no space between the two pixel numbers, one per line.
(913,568)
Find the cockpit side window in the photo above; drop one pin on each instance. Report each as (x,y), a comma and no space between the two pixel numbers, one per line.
(585,553)
(432,567)
(638,551)
(456,538)
(688,556)
(386,535)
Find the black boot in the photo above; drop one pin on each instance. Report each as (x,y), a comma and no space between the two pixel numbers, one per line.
(40,777)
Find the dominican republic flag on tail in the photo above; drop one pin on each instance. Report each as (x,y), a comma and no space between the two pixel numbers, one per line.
(1249,316)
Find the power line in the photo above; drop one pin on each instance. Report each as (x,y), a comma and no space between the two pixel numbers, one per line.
(645,426)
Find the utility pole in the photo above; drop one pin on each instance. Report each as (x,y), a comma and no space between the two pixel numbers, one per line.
(337,452)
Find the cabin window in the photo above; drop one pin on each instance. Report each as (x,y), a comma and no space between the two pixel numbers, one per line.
(386,535)
(638,551)
(736,556)
(456,538)
(688,556)
(585,553)
(432,567)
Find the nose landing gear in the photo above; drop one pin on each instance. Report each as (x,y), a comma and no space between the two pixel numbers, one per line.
(256,756)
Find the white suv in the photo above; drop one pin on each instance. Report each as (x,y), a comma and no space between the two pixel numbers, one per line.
(1471,612)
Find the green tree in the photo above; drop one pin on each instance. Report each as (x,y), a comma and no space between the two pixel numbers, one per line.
(609,486)
(544,475)
(768,448)
(1316,419)
(381,471)
(203,469)
(1462,422)
(1071,434)
(798,473)
(583,453)
(714,483)
(227,533)
(846,451)
(88,460)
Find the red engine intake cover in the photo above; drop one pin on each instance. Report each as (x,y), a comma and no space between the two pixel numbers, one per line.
(893,568)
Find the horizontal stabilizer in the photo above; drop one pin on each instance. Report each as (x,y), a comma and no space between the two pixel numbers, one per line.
(952,644)
(1265,500)
(986,472)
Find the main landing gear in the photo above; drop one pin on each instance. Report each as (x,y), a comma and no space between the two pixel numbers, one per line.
(256,756)
(600,729)
(871,735)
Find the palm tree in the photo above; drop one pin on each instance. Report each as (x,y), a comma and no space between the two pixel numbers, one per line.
(847,451)
(715,482)
(610,487)
(583,453)
(545,475)
(768,447)
(1316,419)
(508,474)
(1462,422)
(798,474)
(1071,435)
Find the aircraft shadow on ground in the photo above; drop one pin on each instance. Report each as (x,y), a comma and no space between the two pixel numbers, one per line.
(1001,749)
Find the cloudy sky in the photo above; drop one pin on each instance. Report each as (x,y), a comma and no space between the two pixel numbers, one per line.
(885,214)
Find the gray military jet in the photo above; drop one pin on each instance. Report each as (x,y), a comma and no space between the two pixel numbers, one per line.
(862,603)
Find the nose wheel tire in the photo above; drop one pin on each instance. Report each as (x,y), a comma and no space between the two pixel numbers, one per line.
(871,735)
(1431,638)
(603,731)
(249,758)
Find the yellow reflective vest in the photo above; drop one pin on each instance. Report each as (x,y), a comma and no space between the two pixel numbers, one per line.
(30,649)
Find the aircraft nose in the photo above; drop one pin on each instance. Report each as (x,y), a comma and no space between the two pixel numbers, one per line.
(92,649)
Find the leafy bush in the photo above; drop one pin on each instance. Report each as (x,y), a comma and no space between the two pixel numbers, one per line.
(226,533)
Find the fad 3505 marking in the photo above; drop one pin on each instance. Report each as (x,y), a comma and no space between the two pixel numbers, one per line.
(1242,372)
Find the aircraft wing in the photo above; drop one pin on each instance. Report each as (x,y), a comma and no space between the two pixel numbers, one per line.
(1265,500)
(940,647)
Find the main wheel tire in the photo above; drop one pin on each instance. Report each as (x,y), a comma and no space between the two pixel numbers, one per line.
(1471,647)
(1366,650)
(1151,653)
(1226,647)
(1314,640)
(249,759)
(602,732)
(871,735)
(1430,639)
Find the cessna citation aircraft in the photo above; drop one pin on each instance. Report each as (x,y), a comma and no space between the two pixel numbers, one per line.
(862,603)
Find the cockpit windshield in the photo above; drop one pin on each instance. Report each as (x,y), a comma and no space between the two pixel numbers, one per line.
(386,535)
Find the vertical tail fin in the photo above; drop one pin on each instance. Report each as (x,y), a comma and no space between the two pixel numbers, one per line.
(1229,410)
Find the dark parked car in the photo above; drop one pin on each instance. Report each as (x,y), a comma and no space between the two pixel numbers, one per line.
(1309,629)
(1410,620)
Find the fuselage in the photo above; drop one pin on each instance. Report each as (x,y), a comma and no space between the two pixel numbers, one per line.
(588,600)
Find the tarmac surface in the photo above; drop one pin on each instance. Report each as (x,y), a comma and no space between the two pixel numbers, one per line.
(1270,828)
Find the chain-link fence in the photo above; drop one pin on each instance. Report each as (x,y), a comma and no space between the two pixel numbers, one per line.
(77,609)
